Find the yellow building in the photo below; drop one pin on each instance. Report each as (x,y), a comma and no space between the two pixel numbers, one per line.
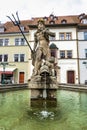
(14,53)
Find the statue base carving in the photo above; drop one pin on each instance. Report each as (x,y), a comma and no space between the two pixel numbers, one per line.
(43,86)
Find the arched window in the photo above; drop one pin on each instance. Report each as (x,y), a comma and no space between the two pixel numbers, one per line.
(52,22)
(84,21)
(51,16)
(45,18)
(63,21)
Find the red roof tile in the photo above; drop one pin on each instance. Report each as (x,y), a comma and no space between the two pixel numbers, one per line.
(10,28)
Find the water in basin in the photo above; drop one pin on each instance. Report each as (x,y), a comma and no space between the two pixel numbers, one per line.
(16,112)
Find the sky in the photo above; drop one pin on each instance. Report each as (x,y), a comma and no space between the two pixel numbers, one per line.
(28,9)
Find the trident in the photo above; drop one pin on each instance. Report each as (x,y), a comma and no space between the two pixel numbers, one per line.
(17,22)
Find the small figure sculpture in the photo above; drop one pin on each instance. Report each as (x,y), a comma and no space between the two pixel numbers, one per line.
(41,46)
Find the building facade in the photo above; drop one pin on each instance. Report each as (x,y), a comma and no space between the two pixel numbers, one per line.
(14,53)
(66,42)
(71,41)
(82,48)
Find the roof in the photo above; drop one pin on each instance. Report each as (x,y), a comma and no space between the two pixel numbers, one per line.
(56,21)
(11,28)
(69,20)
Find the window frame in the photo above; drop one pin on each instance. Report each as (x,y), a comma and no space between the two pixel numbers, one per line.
(19,57)
(85,53)
(62,54)
(4,42)
(19,41)
(70,52)
(84,21)
(85,35)
(4,57)
(65,54)
(63,35)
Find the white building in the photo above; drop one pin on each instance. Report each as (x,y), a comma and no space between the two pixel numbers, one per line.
(82,48)
(65,28)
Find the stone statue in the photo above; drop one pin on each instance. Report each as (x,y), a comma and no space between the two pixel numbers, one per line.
(41,46)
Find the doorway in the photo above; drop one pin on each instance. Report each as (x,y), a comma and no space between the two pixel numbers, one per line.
(71,77)
(21,77)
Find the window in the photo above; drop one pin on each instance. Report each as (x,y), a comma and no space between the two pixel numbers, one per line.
(61,36)
(66,54)
(85,53)
(65,36)
(85,35)
(1,42)
(2,29)
(4,42)
(16,57)
(69,54)
(62,54)
(51,38)
(19,41)
(4,58)
(55,18)
(84,21)
(81,15)
(22,41)
(45,18)
(63,21)
(22,57)
(22,28)
(68,36)
(19,57)
(0,58)
(51,16)
(52,22)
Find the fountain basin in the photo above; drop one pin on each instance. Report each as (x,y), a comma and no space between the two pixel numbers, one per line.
(70,113)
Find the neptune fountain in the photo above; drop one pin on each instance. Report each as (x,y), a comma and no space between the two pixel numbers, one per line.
(43,83)
(19,110)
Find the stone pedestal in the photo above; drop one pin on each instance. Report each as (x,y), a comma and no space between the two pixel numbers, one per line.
(43,89)
(44,85)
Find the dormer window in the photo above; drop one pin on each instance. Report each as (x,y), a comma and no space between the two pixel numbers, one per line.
(52,22)
(81,16)
(45,18)
(55,18)
(63,21)
(22,28)
(84,21)
(51,16)
(2,28)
